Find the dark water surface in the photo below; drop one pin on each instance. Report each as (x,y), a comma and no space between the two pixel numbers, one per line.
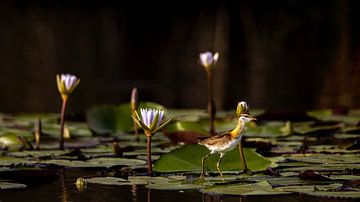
(62,188)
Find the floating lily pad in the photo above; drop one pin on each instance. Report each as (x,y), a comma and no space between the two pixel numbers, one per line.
(73,129)
(188,158)
(132,180)
(327,115)
(97,162)
(327,159)
(327,191)
(106,119)
(160,183)
(185,126)
(13,142)
(271,130)
(11,161)
(11,185)
(345,177)
(254,189)
(319,129)
(323,167)
(108,181)
(187,114)
(28,119)
(174,186)
(21,133)
(37,154)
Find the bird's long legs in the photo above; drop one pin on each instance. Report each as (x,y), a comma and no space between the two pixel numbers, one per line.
(242,157)
(202,176)
(218,165)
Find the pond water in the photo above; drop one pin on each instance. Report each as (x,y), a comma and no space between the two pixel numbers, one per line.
(62,188)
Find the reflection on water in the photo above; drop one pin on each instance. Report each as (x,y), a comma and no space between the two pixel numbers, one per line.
(63,188)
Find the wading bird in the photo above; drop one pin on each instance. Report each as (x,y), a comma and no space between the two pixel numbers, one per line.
(226,142)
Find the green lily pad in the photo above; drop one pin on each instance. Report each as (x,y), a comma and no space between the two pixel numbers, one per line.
(185,126)
(160,183)
(75,129)
(21,133)
(13,142)
(106,119)
(132,180)
(108,181)
(174,186)
(324,191)
(37,154)
(188,158)
(344,177)
(270,129)
(254,189)
(335,149)
(334,194)
(346,136)
(28,119)
(327,115)
(11,161)
(97,162)
(11,185)
(322,167)
(316,130)
(187,114)
(144,180)
(327,159)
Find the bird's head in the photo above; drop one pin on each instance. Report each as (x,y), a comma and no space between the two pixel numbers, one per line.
(242,119)
(246,118)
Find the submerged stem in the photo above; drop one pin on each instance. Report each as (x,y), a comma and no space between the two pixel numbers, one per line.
(62,122)
(148,151)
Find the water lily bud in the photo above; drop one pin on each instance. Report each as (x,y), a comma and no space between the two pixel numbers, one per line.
(37,133)
(242,108)
(80,184)
(67,134)
(66,83)
(116,149)
(208,59)
(134,102)
(288,129)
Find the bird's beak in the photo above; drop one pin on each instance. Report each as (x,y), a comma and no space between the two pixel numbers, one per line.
(253,119)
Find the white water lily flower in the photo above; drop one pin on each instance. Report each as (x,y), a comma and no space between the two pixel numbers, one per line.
(208,59)
(150,120)
(67,83)
(148,116)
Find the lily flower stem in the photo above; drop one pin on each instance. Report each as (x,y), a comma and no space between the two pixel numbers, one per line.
(148,150)
(136,131)
(211,103)
(62,121)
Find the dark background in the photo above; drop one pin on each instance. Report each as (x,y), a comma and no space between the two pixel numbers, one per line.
(278,54)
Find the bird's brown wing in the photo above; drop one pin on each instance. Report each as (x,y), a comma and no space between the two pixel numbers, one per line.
(217,139)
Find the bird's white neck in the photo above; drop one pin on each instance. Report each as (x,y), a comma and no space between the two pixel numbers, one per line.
(235,133)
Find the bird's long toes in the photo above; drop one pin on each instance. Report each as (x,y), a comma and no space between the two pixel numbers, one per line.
(203,176)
